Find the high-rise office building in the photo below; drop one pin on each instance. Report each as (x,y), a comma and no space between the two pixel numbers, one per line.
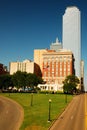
(72,35)
(56,46)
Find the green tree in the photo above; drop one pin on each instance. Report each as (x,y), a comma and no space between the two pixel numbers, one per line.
(33,80)
(19,79)
(5,81)
(70,84)
(23,79)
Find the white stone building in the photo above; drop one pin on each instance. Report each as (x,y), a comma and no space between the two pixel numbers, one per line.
(25,66)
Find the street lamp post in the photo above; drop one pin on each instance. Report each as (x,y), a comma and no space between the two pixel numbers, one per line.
(66,98)
(31,99)
(49,116)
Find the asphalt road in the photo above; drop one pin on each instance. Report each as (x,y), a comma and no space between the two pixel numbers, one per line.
(75,115)
(11,114)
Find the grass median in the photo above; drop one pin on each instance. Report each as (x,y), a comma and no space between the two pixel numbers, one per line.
(36,108)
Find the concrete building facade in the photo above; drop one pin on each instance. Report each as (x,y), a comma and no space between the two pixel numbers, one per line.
(25,66)
(38,56)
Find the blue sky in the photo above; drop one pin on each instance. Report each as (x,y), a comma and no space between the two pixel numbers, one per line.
(26,25)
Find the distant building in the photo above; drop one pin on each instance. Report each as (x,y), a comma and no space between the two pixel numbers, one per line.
(72,35)
(56,46)
(55,67)
(38,56)
(25,66)
(50,87)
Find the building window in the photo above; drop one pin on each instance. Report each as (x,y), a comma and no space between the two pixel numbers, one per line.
(68,69)
(56,73)
(64,73)
(44,74)
(48,74)
(64,59)
(51,88)
(60,73)
(68,73)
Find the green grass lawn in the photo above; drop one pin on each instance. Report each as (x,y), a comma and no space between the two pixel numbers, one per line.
(36,111)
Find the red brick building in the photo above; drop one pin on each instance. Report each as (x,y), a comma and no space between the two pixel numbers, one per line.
(57,65)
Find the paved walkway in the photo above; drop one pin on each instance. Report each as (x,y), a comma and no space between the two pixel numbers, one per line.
(73,118)
(11,114)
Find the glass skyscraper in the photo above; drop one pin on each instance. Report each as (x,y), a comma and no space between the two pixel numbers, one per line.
(72,35)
